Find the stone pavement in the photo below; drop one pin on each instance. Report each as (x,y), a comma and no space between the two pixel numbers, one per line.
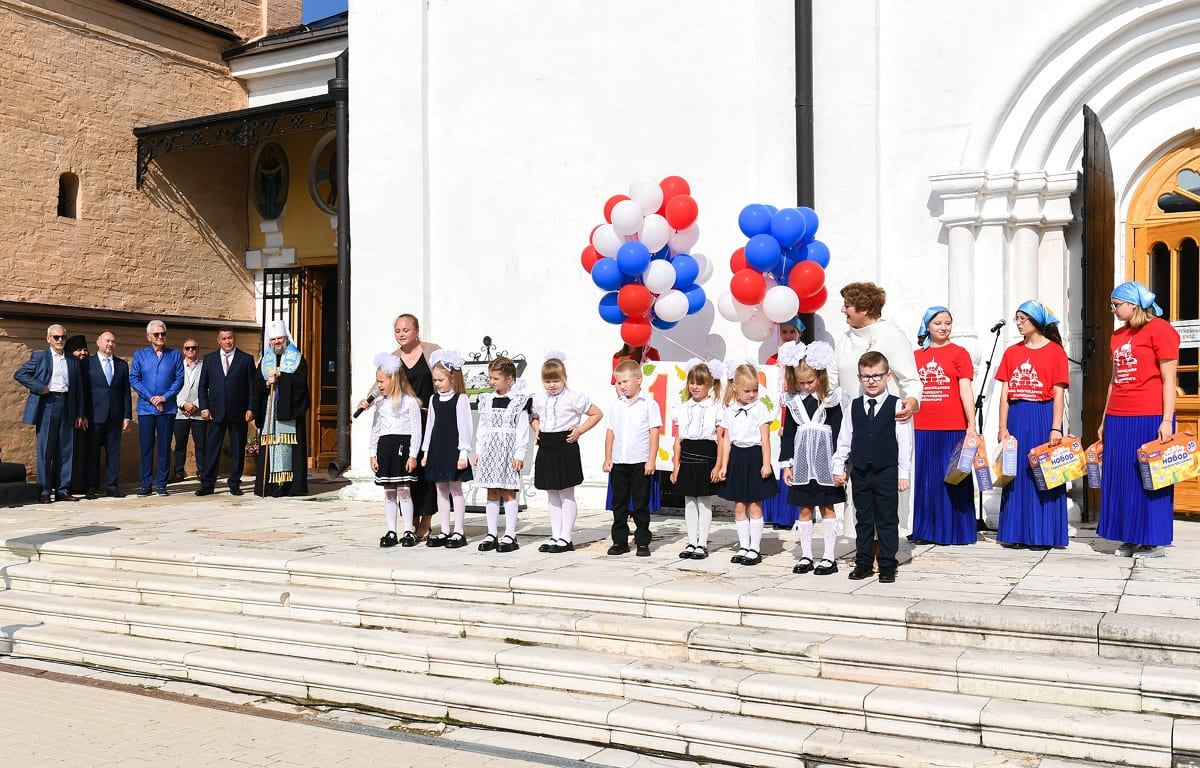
(1084,576)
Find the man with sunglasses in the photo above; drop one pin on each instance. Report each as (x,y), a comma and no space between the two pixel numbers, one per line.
(156,374)
(188,419)
(55,408)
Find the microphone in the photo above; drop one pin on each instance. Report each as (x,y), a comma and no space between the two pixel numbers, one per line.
(372,397)
(996,328)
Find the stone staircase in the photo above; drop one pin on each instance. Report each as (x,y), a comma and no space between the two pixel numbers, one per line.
(733,669)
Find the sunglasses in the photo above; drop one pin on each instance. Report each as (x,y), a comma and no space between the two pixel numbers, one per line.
(158,334)
(190,349)
(56,337)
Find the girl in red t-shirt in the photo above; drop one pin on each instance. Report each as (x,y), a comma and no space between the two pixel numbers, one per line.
(1140,408)
(1035,378)
(942,513)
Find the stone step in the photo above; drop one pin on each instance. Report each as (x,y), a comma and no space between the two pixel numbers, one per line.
(690,596)
(107,597)
(899,728)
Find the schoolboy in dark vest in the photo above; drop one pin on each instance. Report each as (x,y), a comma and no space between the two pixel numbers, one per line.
(874,451)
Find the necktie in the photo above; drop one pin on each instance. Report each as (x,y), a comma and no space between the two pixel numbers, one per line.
(107,369)
(225,362)
(871,408)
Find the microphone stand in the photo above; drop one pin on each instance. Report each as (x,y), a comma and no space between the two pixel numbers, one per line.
(985,388)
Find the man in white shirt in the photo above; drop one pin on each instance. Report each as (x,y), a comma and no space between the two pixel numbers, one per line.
(187,418)
(55,408)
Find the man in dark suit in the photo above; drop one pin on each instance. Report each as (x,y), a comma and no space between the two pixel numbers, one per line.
(56,408)
(112,410)
(226,396)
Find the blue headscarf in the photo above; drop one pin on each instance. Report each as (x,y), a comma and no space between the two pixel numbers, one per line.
(923,331)
(795,322)
(1136,293)
(1038,313)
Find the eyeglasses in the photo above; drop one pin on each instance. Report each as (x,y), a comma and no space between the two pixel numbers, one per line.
(158,334)
(190,349)
(56,337)
(873,377)
(1018,319)
(1113,305)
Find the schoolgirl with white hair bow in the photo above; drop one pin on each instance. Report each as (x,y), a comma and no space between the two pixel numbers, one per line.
(699,426)
(395,437)
(446,450)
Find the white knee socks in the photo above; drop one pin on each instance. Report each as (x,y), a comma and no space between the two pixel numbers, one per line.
(829,528)
(510,519)
(756,529)
(554,507)
(443,506)
(704,505)
(569,512)
(389,507)
(458,503)
(492,509)
(806,534)
(406,507)
(743,532)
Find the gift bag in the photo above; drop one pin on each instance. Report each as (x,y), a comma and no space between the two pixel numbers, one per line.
(1094,456)
(983,475)
(1055,465)
(962,460)
(1004,466)
(1162,464)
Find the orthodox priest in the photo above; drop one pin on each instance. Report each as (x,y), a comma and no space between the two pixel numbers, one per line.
(280,413)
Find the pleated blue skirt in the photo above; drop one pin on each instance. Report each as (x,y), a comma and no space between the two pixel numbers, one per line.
(776,509)
(1027,515)
(942,513)
(1128,512)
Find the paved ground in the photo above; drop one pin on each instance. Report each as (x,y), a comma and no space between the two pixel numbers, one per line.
(1084,576)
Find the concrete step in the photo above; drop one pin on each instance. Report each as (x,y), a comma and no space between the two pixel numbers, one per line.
(899,728)
(691,596)
(109,596)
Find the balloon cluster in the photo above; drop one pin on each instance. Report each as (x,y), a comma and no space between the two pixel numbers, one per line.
(641,257)
(779,272)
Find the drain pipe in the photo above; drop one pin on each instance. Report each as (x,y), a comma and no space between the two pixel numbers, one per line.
(804,121)
(339,88)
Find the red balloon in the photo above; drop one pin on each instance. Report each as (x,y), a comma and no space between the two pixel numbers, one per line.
(636,331)
(681,212)
(748,286)
(806,278)
(612,201)
(737,262)
(672,186)
(635,300)
(814,302)
(588,258)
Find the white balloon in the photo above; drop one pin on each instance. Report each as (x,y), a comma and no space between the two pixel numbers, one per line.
(770,280)
(655,232)
(626,217)
(758,328)
(659,276)
(780,304)
(727,307)
(672,306)
(606,241)
(647,194)
(706,268)
(746,312)
(685,239)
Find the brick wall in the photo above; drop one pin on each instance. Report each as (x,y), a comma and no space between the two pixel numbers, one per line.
(249,18)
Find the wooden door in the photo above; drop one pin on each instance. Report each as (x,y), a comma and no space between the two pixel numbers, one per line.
(320,344)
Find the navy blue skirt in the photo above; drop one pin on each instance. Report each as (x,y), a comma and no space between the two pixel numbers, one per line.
(942,513)
(1027,515)
(743,477)
(1128,512)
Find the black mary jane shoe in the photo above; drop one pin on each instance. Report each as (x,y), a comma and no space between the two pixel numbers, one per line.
(488,543)
(804,566)
(826,567)
(700,553)
(409,539)
(739,558)
(438,540)
(507,544)
(562,546)
(548,546)
(388,539)
(456,541)
(688,552)
(752,557)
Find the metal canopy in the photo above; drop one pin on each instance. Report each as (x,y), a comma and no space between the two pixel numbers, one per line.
(243,129)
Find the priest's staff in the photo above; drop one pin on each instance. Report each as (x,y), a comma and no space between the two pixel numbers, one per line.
(985,396)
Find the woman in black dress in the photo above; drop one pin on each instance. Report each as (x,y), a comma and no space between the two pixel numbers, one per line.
(414,361)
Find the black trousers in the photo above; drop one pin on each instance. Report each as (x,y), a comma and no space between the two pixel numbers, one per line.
(630,482)
(106,435)
(197,428)
(214,439)
(876,504)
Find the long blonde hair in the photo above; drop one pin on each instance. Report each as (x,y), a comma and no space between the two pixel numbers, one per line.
(791,378)
(743,375)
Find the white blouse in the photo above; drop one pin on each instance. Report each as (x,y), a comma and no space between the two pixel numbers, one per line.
(462,413)
(562,412)
(698,420)
(630,421)
(404,419)
(744,422)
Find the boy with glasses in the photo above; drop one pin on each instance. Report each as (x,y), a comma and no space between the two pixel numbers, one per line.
(873,450)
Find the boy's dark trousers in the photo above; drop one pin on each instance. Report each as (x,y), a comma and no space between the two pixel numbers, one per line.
(876,501)
(630,481)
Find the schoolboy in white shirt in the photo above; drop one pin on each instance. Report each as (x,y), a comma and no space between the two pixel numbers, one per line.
(630,453)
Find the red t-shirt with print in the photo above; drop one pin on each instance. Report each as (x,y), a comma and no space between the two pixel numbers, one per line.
(1033,373)
(940,369)
(1137,380)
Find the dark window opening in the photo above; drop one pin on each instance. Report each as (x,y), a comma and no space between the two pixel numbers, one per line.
(68,196)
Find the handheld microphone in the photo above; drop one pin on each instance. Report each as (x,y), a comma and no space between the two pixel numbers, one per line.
(372,397)
(999,324)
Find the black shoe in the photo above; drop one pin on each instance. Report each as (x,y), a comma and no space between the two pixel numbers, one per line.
(147,492)
(235,490)
(861,572)
(388,539)
(488,543)
(1013,545)
(66,496)
(804,566)
(619,549)
(90,495)
(643,551)
(688,551)
(409,539)
(437,541)
(887,575)
(115,493)
(563,546)
(45,498)
(204,490)
(548,546)
(700,553)
(456,541)
(739,557)
(1040,547)
(507,544)
(824,570)
(162,491)
(752,557)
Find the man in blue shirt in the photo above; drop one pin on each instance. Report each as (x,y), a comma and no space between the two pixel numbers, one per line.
(156,374)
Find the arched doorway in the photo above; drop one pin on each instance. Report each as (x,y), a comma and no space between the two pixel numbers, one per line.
(1163,233)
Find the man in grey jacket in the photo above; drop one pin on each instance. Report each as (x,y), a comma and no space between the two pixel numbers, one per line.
(188,419)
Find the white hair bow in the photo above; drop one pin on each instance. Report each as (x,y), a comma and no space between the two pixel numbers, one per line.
(387,362)
(791,353)
(449,359)
(554,354)
(819,356)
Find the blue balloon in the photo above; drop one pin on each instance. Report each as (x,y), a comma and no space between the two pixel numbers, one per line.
(814,251)
(609,311)
(754,220)
(811,222)
(663,254)
(762,253)
(789,227)
(662,325)
(687,269)
(696,298)
(633,258)
(606,274)
(772,209)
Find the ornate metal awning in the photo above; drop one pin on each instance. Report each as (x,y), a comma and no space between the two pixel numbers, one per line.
(243,129)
